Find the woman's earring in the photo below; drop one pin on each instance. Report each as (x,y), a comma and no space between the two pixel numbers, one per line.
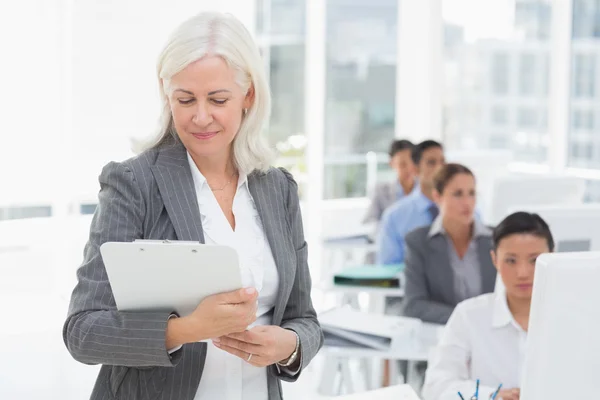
(245,111)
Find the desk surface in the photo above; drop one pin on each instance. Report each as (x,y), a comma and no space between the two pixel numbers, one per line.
(398,392)
(365,247)
(331,287)
(358,241)
(429,337)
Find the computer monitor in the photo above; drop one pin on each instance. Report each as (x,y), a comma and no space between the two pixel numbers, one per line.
(511,191)
(483,162)
(563,346)
(575,227)
(344,217)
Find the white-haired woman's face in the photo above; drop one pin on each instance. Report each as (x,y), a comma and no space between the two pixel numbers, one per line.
(207,106)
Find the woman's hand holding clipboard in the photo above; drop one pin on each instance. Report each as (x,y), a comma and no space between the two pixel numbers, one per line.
(217,315)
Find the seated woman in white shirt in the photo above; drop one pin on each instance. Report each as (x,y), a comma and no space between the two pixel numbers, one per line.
(485,336)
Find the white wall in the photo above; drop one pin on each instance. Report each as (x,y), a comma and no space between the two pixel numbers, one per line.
(30,101)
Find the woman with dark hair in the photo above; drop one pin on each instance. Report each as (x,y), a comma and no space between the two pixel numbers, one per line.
(485,336)
(448,261)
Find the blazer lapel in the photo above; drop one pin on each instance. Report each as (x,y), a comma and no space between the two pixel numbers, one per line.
(488,272)
(441,268)
(270,206)
(176,186)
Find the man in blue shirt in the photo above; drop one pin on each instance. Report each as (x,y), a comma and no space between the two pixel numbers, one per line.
(387,193)
(413,211)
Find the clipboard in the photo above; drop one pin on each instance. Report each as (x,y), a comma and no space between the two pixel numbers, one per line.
(167,276)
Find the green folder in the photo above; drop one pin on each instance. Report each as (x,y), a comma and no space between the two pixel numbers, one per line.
(370,275)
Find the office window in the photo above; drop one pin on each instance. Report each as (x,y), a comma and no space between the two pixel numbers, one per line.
(527,75)
(287,88)
(87,209)
(533,74)
(499,115)
(544,78)
(261,17)
(592,193)
(574,152)
(584,76)
(585,96)
(499,141)
(361,90)
(280,17)
(500,79)
(25,212)
(582,155)
(281,30)
(582,120)
(543,121)
(588,153)
(532,19)
(527,118)
(342,181)
(501,50)
(586,19)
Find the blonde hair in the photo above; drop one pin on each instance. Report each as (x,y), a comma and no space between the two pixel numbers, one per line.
(225,36)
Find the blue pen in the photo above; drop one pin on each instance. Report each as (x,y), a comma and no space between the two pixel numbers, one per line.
(476,395)
(496,392)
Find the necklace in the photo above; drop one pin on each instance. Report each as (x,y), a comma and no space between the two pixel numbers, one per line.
(224,186)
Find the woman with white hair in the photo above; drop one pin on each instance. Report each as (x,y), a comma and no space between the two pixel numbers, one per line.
(205,178)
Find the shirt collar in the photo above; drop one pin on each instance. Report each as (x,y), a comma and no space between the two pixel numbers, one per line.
(479,229)
(200,180)
(501,315)
(422,202)
(400,190)
(437,228)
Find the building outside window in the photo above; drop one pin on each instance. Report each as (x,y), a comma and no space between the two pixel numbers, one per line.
(496,72)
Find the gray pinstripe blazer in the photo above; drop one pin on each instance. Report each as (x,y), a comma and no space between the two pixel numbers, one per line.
(152,197)
(430,294)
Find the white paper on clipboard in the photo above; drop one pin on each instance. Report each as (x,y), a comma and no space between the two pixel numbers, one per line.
(157,275)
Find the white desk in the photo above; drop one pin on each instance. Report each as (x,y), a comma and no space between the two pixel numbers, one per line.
(351,243)
(337,360)
(329,286)
(376,295)
(398,392)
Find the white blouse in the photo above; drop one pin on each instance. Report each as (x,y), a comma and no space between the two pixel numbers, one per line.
(481,341)
(226,376)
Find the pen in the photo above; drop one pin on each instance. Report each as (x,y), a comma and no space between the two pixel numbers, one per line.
(461,396)
(476,395)
(496,392)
